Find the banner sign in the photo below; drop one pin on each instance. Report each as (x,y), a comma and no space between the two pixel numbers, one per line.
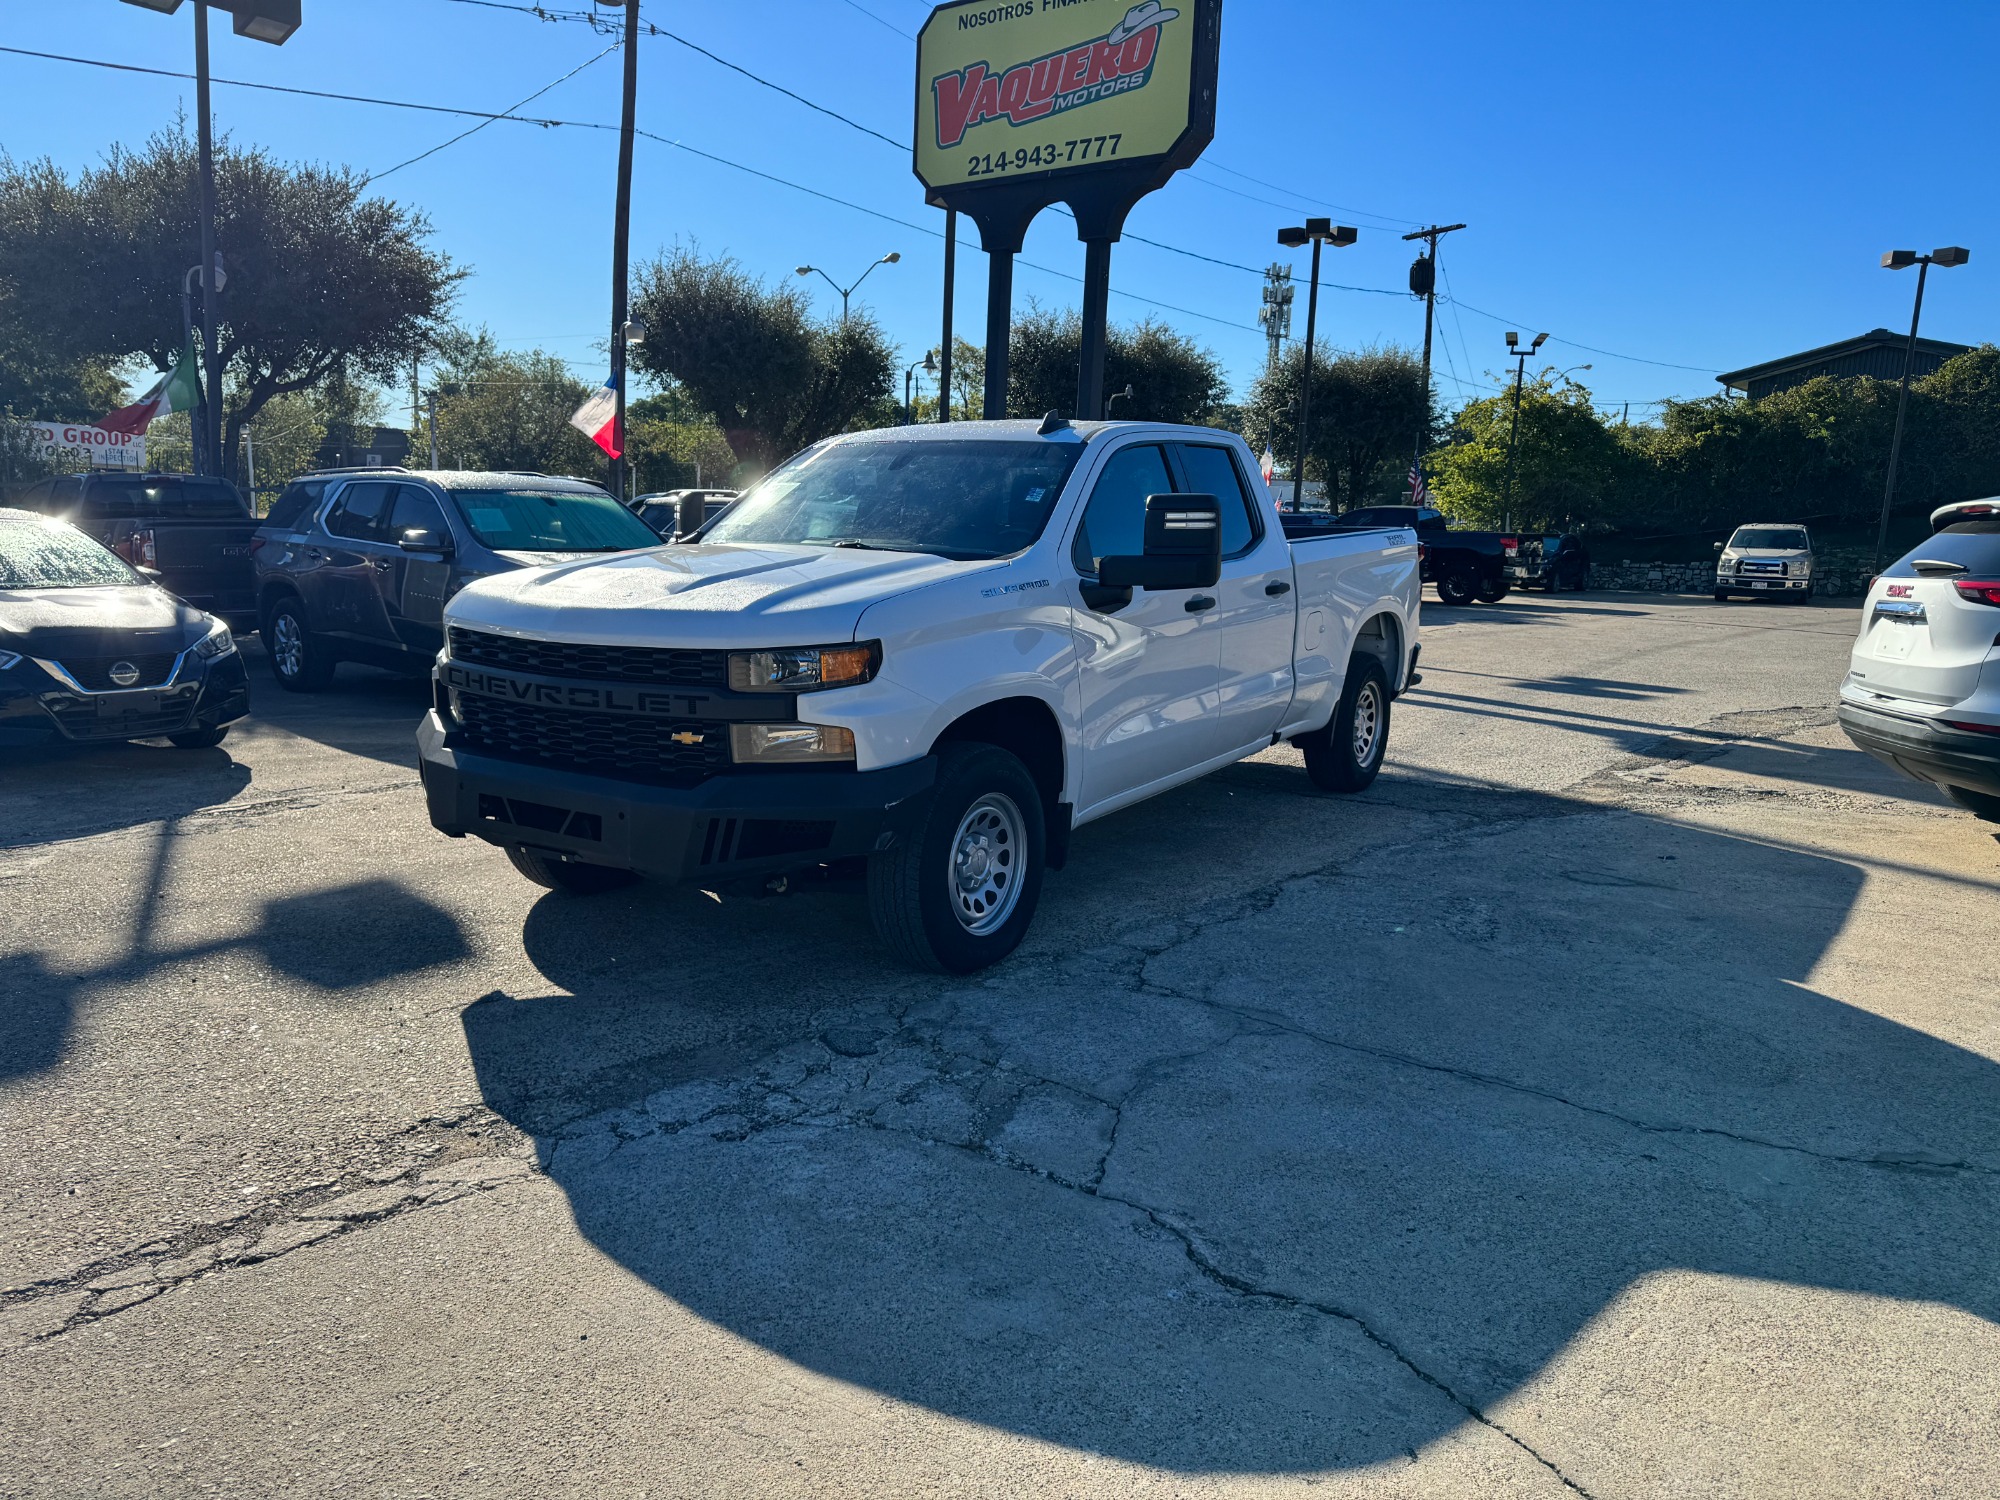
(1056,88)
(103,450)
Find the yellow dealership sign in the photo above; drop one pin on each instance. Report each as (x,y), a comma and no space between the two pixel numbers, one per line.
(1009,90)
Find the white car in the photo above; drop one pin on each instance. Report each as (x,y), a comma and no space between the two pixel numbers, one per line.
(1772,558)
(940,648)
(1923,686)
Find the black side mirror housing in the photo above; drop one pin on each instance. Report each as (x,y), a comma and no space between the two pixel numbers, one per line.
(421,539)
(1183,547)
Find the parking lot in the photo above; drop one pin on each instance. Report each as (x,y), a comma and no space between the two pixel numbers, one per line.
(1605,1103)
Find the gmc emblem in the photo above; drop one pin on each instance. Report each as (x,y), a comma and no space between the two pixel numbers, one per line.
(1901,590)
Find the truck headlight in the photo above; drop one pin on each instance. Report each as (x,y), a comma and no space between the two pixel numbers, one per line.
(801,669)
(218,642)
(788,744)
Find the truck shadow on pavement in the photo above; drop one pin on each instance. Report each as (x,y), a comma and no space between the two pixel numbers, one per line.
(1315,1174)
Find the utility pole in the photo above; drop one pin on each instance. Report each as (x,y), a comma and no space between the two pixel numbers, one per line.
(1275,316)
(1423,282)
(621,237)
(211,407)
(431,400)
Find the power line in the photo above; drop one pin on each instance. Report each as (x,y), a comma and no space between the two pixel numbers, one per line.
(1587,348)
(852,5)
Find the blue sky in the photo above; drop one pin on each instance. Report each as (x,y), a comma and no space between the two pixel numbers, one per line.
(1697,184)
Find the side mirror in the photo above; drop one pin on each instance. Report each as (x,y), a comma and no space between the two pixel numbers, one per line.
(420,539)
(152,575)
(1183,547)
(1718,546)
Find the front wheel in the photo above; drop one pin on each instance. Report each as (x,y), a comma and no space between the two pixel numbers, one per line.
(199,739)
(1455,589)
(567,874)
(1721,596)
(1346,756)
(957,892)
(1983,803)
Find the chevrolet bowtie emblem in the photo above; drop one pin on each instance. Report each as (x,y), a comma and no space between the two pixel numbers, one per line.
(685,738)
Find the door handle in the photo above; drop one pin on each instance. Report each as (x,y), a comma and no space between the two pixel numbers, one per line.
(382,563)
(1198,603)
(1277,587)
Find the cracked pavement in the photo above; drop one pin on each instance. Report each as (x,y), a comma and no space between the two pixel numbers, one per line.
(1604,1104)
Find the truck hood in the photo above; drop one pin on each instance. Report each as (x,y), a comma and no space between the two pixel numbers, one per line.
(719,595)
(1766,554)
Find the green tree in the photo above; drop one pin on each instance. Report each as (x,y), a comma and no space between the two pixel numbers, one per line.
(1369,408)
(674,445)
(774,378)
(1173,378)
(321,280)
(503,410)
(1566,462)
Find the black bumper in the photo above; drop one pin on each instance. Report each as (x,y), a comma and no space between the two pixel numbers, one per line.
(727,827)
(1922,750)
(37,709)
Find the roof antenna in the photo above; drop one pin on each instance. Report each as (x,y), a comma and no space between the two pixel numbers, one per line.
(1055,421)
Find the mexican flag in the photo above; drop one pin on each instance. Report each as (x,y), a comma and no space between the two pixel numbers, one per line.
(177,390)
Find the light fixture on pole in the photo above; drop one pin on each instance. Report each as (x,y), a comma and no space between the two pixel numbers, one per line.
(847,291)
(1520,358)
(1899,260)
(270,21)
(929,365)
(1124,395)
(1316,232)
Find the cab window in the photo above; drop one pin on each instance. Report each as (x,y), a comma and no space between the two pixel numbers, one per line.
(1211,470)
(416,510)
(1114,521)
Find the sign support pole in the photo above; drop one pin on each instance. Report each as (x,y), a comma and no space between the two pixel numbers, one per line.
(1096,312)
(999,326)
(209,458)
(950,292)
(621,235)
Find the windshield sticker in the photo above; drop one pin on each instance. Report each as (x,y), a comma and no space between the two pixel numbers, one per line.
(1014,588)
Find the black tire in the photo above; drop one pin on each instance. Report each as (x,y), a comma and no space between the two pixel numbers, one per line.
(199,739)
(1985,804)
(300,660)
(1336,758)
(1491,593)
(928,913)
(1455,589)
(1721,596)
(1551,582)
(568,875)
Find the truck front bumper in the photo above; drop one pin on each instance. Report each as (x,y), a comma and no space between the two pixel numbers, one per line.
(1738,583)
(1925,751)
(744,824)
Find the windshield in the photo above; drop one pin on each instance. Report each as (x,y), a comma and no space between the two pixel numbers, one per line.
(41,554)
(167,496)
(956,498)
(1777,538)
(528,520)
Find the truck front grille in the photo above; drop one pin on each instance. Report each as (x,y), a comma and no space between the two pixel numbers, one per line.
(622,745)
(591,663)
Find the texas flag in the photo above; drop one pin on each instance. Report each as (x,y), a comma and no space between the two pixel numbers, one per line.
(597,418)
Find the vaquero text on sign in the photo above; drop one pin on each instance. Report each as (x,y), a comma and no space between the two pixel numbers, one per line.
(103,450)
(1051,87)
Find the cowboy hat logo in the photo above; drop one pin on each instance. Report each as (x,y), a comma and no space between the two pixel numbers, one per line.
(1119,62)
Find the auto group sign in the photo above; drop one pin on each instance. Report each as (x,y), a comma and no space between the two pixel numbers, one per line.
(103,450)
(1057,89)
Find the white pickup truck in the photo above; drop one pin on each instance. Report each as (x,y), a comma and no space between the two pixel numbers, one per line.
(940,649)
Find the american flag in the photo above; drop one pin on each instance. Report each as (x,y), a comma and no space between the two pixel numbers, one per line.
(1419,494)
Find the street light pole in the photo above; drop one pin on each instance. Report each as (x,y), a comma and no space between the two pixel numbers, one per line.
(1319,232)
(211,412)
(846,291)
(1520,357)
(1896,260)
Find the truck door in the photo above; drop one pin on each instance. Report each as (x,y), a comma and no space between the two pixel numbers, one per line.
(415,583)
(1255,611)
(1147,673)
(349,598)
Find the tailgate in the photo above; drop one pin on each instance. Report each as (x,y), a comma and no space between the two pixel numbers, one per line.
(1922,641)
(205,559)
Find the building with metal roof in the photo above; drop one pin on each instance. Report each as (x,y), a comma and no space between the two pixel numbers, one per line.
(1878,352)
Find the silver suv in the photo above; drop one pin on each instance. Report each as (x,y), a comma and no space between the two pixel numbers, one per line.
(1767,558)
(356,565)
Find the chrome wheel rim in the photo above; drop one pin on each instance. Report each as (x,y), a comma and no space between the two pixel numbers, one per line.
(987,857)
(288,645)
(1367,724)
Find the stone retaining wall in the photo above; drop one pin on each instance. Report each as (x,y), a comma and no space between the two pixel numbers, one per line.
(1836,575)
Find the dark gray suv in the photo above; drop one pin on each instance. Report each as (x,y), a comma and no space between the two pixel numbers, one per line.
(356,565)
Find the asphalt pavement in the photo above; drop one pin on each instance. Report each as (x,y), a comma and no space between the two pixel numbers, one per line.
(1605,1103)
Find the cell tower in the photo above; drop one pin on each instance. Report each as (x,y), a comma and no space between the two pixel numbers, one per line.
(1275,316)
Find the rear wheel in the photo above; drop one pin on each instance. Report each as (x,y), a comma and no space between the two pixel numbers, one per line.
(958,891)
(1347,755)
(1984,803)
(1455,588)
(566,874)
(300,660)
(1492,593)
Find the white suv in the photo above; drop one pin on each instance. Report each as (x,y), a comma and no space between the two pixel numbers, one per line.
(1923,686)
(1765,559)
